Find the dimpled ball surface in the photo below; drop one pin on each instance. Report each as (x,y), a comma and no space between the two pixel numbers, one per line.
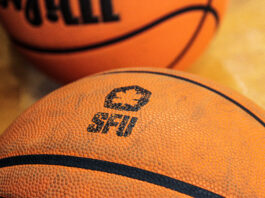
(136,133)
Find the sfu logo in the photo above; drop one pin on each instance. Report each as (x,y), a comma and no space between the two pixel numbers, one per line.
(130,99)
(54,10)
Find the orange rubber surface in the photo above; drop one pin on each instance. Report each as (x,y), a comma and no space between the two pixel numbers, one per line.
(150,33)
(140,130)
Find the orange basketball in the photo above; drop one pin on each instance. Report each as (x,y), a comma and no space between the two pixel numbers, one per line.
(70,39)
(136,133)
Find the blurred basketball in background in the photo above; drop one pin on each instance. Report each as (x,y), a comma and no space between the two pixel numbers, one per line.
(136,133)
(70,39)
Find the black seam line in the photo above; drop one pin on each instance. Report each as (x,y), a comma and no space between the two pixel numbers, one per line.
(120,38)
(192,40)
(109,167)
(196,83)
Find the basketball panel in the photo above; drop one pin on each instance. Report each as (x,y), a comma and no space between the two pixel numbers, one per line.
(166,39)
(197,43)
(133,15)
(58,181)
(183,130)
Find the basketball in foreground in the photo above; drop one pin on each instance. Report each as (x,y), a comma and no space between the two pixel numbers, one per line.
(136,133)
(72,39)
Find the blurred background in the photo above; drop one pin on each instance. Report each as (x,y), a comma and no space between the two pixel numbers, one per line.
(235,58)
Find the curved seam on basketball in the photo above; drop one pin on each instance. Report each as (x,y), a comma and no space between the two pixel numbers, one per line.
(112,168)
(120,38)
(196,83)
(192,40)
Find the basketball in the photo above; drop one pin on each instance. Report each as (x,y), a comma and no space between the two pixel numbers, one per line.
(136,133)
(71,39)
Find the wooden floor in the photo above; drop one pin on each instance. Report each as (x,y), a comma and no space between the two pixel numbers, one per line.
(236,58)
